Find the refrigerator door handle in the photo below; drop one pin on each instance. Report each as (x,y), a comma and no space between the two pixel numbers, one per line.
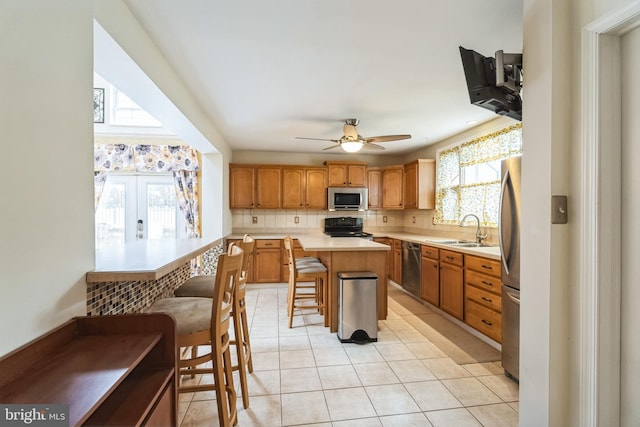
(513,298)
(504,256)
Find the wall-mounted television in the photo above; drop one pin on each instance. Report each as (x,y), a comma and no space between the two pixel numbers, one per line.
(491,86)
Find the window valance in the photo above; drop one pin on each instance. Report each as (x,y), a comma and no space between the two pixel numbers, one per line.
(144,158)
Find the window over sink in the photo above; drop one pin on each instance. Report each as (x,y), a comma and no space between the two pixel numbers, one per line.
(468,176)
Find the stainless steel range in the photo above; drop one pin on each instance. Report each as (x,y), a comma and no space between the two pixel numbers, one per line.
(345,226)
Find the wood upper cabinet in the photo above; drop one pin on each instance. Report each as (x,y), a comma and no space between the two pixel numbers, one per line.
(241,183)
(420,184)
(268,187)
(293,188)
(451,283)
(252,186)
(430,275)
(316,188)
(304,188)
(392,187)
(347,174)
(374,184)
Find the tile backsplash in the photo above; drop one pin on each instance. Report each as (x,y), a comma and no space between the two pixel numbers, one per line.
(416,221)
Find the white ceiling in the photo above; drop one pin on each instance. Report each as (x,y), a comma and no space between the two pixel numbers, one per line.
(266,71)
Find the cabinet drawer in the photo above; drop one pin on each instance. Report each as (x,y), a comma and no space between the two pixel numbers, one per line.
(485,320)
(430,252)
(483,265)
(482,281)
(268,243)
(485,298)
(449,257)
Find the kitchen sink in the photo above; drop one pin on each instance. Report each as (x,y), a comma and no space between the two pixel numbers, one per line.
(471,245)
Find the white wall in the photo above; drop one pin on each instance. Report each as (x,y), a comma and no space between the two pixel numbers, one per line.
(46,178)
(630,291)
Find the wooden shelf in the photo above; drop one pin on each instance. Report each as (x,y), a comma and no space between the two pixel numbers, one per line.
(110,370)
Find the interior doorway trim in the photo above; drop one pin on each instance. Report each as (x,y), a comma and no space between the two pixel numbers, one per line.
(600,234)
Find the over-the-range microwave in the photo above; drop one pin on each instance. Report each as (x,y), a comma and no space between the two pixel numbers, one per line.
(347,199)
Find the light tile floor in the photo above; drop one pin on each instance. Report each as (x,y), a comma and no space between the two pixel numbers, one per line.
(305,376)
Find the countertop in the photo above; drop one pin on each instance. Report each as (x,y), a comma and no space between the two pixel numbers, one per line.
(145,259)
(492,252)
(321,243)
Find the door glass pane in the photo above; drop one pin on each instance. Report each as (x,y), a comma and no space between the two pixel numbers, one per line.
(110,216)
(161,211)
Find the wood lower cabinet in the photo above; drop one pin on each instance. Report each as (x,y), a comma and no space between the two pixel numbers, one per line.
(389,242)
(483,300)
(430,275)
(451,283)
(110,370)
(267,261)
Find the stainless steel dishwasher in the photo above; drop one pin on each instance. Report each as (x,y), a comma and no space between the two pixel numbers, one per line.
(411,268)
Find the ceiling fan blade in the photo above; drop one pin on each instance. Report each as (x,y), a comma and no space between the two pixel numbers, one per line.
(387,138)
(372,146)
(318,139)
(331,148)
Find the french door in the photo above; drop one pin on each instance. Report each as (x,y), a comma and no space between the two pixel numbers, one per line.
(134,207)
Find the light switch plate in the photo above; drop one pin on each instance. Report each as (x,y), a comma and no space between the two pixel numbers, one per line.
(559,210)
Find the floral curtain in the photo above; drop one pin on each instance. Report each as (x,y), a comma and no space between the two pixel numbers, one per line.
(186,183)
(455,197)
(181,160)
(144,158)
(99,178)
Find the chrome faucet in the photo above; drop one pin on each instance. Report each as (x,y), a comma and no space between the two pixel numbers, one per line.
(479,236)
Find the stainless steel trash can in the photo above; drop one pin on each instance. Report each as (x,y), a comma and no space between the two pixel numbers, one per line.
(358,307)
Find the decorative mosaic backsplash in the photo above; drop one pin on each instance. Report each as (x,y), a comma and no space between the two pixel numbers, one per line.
(135,296)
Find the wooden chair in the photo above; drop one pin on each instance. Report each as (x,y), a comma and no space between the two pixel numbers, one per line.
(202,286)
(204,323)
(305,272)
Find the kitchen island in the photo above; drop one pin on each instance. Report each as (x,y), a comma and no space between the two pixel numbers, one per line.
(349,254)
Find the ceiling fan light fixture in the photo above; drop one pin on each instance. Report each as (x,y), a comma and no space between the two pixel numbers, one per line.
(351,146)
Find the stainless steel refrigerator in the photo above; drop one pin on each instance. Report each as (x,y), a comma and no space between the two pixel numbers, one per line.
(509,232)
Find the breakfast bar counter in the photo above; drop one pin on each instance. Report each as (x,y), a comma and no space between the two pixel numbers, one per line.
(349,254)
(128,278)
(145,259)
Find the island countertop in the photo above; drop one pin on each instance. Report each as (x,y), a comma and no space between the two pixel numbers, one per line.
(145,259)
(321,243)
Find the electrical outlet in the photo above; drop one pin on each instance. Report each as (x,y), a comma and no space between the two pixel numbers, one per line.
(413,219)
(296,219)
(385,219)
(254,219)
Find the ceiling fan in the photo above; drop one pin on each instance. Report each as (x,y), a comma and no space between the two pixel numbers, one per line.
(352,141)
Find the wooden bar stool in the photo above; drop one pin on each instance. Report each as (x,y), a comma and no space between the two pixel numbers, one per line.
(202,286)
(204,322)
(309,272)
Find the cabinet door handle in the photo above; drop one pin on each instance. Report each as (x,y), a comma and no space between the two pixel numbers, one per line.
(487,299)
(450,258)
(486,322)
(484,282)
(487,267)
